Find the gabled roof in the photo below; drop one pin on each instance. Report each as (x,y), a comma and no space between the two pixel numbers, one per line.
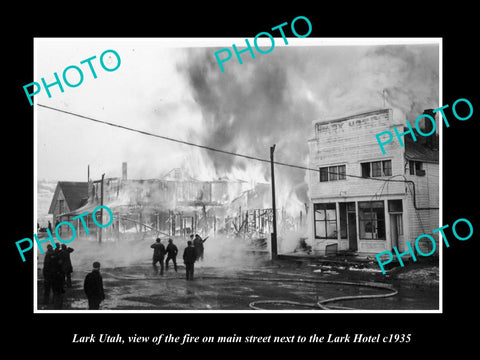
(423,149)
(75,193)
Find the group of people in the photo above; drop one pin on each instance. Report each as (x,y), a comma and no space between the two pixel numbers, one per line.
(193,252)
(57,271)
(57,274)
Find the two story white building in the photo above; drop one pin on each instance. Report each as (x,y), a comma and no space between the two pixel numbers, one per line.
(363,201)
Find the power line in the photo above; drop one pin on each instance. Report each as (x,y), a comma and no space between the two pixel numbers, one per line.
(154,135)
(209,147)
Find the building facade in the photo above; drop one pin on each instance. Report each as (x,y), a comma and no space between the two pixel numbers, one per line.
(365,202)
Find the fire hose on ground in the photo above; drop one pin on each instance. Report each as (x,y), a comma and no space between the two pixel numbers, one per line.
(319,304)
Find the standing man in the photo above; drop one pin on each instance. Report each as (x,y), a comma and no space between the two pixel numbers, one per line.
(172,252)
(58,265)
(158,255)
(189,258)
(198,244)
(48,273)
(57,280)
(50,226)
(93,287)
(66,264)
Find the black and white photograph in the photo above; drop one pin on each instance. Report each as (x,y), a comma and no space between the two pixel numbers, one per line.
(188,183)
(216,180)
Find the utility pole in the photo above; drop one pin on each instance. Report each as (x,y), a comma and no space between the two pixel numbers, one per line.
(101,209)
(274,234)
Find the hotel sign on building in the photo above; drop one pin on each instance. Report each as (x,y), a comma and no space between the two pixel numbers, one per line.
(363,201)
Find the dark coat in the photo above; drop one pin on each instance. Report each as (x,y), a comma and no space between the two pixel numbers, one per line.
(50,264)
(66,262)
(158,250)
(189,255)
(52,271)
(93,285)
(172,250)
(198,243)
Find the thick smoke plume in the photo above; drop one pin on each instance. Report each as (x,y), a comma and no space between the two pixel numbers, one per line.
(274,98)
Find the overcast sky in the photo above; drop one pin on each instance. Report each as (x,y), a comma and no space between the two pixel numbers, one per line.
(168,87)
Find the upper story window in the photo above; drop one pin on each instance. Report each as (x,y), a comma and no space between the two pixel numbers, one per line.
(416,168)
(377,168)
(332,173)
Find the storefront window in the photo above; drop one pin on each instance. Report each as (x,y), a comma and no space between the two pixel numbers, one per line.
(325,221)
(371,215)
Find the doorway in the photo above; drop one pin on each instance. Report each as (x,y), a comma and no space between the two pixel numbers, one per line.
(352,226)
(395,208)
(396,229)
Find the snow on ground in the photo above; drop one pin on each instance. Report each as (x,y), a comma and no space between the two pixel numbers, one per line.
(425,275)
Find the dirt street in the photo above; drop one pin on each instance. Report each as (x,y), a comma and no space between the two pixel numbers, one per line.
(136,287)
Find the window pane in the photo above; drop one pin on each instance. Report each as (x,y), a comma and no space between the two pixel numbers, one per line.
(380,214)
(395,206)
(363,233)
(418,166)
(411,165)
(341,172)
(370,226)
(365,169)
(324,174)
(320,214)
(332,229)
(325,220)
(332,173)
(372,220)
(376,168)
(387,167)
(331,215)
(320,229)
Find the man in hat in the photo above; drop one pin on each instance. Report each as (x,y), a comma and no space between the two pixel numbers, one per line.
(66,264)
(198,245)
(172,252)
(189,257)
(158,255)
(49,268)
(93,287)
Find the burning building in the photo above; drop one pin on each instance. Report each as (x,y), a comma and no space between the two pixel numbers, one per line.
(174,205)
(365,202)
